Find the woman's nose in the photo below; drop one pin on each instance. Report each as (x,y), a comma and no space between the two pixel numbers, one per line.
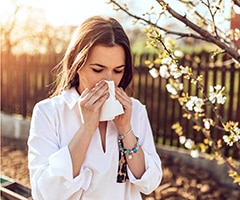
(108,76)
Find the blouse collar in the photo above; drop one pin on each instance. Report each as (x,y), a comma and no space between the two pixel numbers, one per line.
(71,97)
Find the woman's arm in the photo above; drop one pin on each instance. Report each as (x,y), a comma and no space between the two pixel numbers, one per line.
(60,168)
(90,104)
(123,124)
(50,165)
(145,170)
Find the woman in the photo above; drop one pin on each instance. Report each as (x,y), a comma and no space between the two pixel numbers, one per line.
(73,155)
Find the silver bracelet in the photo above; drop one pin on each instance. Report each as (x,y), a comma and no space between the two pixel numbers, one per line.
(120,137)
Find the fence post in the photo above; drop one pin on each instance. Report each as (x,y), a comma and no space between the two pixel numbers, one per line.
(23,105)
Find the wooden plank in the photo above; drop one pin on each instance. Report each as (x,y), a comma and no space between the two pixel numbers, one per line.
(15,191)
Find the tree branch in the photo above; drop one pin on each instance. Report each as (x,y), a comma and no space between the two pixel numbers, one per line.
(182,35)
(205,34)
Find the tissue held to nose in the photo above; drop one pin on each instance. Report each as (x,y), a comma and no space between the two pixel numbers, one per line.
(112,107)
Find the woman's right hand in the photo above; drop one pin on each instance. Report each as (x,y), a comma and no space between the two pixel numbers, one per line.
(90,103)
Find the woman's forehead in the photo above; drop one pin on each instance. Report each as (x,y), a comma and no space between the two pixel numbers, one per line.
(104,55)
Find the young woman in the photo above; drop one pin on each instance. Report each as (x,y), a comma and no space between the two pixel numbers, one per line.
(74,155)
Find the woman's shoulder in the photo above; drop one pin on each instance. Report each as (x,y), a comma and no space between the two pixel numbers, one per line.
(50,103)
(68,98)
(44,106)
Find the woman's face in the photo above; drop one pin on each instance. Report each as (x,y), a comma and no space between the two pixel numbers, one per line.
(103,63)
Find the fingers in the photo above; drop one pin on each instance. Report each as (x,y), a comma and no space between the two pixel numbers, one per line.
(94,98)
(122,97)
(84,93)
(123,122)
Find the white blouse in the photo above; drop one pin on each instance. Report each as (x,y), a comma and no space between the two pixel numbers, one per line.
(53,125)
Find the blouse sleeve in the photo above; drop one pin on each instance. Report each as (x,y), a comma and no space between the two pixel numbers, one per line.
(152,176)
(50,166)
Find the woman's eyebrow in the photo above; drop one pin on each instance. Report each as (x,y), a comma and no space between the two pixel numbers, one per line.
(103,66)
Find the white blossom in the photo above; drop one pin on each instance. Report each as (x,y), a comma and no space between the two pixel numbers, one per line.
(184,70)
(216,94)
(189,144)
(171,89)
(211,89)
(180,86)
(237,134)
(154,72)
(207,123)
(195,104)
(166,61)
(218,87)
(178,53)
(163,71)
(190,105)
(233,137)
(212,97)
(174,71)
(237,130)
(227,140)
(236,138)
(173,68)
(194,153)
(236,9)
(220,98)
(198,105)
(182,139)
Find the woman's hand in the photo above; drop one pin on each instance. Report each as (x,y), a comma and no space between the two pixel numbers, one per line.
(90,103)
(122,122)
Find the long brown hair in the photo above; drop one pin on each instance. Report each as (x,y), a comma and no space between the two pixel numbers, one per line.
(94,31)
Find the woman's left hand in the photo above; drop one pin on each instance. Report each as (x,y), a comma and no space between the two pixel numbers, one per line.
(122,121)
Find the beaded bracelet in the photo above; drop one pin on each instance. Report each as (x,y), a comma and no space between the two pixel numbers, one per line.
(120,137)
(129,152)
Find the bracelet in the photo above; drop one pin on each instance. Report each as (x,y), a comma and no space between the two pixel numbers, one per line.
(129,152)
(120,137)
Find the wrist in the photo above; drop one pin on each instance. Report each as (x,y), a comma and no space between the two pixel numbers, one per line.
(124,130)
(129,150)
(122,136)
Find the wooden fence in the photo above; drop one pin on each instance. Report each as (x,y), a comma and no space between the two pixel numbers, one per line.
(24,82)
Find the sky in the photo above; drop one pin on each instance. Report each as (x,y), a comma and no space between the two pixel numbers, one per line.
(74,12)
(59,12)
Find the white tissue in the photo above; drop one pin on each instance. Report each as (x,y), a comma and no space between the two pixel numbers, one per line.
(112,107)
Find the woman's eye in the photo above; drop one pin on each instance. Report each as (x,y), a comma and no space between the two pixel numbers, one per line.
(118,71)
(97,70)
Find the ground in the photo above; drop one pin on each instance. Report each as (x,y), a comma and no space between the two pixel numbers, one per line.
(180,182)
